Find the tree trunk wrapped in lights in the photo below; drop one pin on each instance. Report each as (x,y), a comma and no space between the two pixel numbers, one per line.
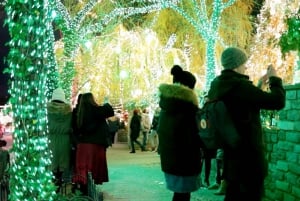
(30,177)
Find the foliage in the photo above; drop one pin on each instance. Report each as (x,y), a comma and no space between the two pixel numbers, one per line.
(290,39)
(138,55)
(264,48)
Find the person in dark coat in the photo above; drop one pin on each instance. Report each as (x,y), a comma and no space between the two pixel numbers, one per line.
(245,168)
(114,125)
(59,114)
(135,129)
(93,141)
(153,133)
(179,142)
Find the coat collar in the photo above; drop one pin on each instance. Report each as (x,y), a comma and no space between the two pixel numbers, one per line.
(178,91)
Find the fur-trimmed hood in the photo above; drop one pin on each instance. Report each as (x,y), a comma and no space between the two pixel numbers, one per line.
(59,108)
(178,91)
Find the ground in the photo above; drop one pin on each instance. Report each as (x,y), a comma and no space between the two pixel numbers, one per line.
(138,177)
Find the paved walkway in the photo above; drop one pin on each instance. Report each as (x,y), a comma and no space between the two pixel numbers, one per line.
(138,177)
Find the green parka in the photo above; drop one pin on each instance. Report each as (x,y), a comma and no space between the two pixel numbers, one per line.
(179,142)
(60,128)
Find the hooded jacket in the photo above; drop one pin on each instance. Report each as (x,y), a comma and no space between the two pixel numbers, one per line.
(244,102)
(179,142)
(60,128)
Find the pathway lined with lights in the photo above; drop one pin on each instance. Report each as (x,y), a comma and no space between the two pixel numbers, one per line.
(138,177)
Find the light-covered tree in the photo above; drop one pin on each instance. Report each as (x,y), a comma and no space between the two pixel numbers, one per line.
(265,48)
(29,23)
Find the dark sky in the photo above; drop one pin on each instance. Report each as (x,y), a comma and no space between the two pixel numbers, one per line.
(4,38)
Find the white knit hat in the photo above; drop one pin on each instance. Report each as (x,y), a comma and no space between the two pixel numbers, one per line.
(59,94)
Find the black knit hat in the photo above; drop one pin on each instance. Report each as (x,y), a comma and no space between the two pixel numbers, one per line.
(183,77)
(233,57)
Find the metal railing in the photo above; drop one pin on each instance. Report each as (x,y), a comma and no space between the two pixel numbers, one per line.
(93,194)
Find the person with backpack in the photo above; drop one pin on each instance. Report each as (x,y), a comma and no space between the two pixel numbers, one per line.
(179,142)
(245,166)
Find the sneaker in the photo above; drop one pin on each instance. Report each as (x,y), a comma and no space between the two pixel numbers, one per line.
(213,186)
(132,152)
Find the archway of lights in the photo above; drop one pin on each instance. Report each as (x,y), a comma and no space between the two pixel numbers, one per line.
(34,73)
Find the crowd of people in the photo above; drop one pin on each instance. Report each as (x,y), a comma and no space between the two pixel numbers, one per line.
(89,129)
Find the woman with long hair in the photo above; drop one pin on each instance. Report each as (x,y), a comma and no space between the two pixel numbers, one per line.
(93,140)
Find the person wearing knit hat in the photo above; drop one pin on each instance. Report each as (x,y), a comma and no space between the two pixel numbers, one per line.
(59,115)
(233,57)
(245,167)
(179,142)
(58,95)
(183,77)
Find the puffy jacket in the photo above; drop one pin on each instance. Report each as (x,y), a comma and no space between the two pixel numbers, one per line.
(177,130)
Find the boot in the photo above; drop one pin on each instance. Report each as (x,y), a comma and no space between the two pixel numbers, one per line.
(222,188)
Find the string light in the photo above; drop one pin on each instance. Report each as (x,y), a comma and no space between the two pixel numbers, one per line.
(30,178)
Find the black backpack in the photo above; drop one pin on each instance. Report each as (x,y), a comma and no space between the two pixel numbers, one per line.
(215,126)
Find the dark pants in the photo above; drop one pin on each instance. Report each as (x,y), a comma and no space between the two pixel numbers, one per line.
(145,136)
(252,191)
(219,171)
(208,156)
(132,141)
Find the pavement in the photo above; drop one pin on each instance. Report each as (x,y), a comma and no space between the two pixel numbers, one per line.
(138,177)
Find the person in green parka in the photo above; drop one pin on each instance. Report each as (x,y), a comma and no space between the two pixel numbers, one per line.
(59,114)
(245,167)
(179,142)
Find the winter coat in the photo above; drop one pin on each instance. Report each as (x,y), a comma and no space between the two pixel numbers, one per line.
(60,128)
(244,101)
(177,130)
(135,126)
(95,128)
(145,122)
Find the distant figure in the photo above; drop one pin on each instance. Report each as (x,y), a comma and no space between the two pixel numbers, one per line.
(60,128)
(93,140)
(145,125)
(135,129)
(179,142)
(4,171)
(246,167)
(154,141)
(2,130)
(114,125)
(4,160)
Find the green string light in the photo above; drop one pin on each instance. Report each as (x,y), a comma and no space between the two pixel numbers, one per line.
(30,178)
(207,27)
